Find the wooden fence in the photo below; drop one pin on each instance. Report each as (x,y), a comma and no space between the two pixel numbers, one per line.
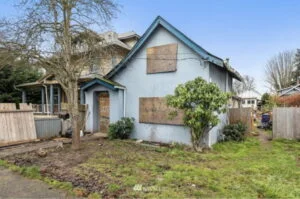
(286,123)
(243,115)
(16,124)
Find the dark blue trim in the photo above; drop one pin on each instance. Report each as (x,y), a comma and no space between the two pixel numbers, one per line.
(182,37)
(92,83)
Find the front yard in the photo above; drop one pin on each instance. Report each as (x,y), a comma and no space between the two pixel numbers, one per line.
(127,169)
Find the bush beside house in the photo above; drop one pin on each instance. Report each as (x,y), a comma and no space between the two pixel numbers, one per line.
(121,129)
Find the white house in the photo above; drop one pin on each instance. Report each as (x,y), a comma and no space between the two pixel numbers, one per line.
(162,58)
(250,99)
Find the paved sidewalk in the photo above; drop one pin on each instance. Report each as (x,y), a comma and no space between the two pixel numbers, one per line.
(24,148)
(13,185)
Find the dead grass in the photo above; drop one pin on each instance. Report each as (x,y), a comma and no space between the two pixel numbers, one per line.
(123,169)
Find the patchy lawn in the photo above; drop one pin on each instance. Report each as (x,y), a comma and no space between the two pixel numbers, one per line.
(124,169)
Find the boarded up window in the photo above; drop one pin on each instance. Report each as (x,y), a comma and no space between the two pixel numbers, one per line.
(155,110)
(162,58)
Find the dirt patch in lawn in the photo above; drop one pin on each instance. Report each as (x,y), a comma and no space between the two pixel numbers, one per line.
(59,164)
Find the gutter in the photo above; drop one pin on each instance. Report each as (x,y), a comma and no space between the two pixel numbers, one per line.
(124,99)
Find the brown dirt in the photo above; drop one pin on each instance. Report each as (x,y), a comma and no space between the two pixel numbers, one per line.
(59,164)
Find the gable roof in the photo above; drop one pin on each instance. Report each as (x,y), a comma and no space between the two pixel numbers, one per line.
(128,35)
(159,21)
(250,94)
(285,91)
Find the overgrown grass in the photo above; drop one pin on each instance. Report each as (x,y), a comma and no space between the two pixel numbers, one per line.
(231,169)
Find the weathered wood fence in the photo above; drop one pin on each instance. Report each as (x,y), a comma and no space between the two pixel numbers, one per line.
(16,124)
(243,115)
(286,123)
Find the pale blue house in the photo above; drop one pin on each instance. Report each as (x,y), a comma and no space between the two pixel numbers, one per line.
(162,58)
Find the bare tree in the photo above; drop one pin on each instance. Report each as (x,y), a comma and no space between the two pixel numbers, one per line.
(247,84)
(57,35)
(279,70)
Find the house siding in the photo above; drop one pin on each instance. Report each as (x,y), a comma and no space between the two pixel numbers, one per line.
(116,106)
(140,84)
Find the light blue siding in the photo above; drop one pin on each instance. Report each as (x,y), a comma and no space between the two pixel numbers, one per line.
(140,84)
(116,106)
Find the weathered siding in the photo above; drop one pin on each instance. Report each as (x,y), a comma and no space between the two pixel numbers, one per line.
(141,84)
(106,61)
(218,76)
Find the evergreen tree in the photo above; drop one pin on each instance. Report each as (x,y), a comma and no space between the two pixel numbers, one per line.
(10,76)
(297,65)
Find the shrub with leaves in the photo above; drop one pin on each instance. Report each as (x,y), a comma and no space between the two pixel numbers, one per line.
(235,132)
(121,129)
(201,102)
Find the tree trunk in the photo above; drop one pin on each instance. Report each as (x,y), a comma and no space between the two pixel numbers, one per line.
(198,139)
(73,109)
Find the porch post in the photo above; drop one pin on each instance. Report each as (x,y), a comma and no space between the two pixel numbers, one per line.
(51,99)
(82,100)
(43,99)
(23,96)
(58,98)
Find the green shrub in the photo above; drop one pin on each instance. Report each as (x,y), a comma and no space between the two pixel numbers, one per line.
(121,129)
(235,132)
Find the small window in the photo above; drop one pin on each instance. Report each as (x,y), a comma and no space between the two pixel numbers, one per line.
(94,67)
(248,101)
(253,101)
(243,102)
(113,61)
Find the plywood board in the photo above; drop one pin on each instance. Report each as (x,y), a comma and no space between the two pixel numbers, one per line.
(162,58)
(154,110)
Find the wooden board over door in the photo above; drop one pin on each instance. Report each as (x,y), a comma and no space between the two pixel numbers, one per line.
(103,101)
(155,110)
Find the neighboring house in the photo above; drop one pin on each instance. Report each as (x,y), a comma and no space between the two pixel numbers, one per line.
(250,99)
(162,58)
(292,90)
(51,93)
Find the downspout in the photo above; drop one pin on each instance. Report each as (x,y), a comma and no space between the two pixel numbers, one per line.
(124,99)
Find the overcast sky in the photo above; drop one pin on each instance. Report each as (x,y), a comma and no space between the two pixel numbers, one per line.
(248,32)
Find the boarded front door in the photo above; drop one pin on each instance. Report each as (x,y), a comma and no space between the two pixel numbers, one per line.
(103,101)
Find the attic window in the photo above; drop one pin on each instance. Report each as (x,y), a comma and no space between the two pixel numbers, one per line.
(94,67)
(162,58)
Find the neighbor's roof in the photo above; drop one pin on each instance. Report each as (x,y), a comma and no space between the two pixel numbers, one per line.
(285,91)
(250,94)
(159,21)
(127,35)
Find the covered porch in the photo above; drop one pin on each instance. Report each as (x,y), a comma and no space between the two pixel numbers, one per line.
(105,102)
(51,97)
